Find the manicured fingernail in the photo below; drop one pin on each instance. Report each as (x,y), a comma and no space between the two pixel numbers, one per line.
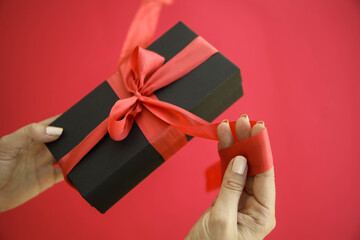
(239,165)
(245,116)
(225,121)
(53,131)
(260,122)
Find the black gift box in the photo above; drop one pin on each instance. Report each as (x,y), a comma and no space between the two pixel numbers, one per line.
(112,168)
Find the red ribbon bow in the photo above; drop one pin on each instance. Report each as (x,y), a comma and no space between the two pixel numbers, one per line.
(146,74)
(162,123)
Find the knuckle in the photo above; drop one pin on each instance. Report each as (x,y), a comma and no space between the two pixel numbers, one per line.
(234,186)
(32,126)
(31,129)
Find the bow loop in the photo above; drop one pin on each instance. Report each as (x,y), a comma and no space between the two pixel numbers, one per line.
(143,63)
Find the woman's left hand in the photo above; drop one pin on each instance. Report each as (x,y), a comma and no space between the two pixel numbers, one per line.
(26,165)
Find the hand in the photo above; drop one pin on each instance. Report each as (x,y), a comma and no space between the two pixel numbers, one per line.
(26,165)
(245,206)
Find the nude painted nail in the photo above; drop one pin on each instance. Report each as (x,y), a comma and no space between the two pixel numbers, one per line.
(225,121)
(53,131)
(239,165)
(260,122)
(245,116)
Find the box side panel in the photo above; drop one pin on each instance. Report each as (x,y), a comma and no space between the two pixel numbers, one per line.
(109,157)
(124,179)
(225,94)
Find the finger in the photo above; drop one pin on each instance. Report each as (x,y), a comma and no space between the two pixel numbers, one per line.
(257,128)
(243,128)
(226,138)
(49,120)
(263,184)
(226,205)
(58,175)
(33,132)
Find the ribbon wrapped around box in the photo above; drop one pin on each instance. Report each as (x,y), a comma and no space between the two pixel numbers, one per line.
(139,117)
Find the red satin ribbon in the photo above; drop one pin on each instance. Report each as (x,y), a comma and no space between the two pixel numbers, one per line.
(256,150)
(140,75)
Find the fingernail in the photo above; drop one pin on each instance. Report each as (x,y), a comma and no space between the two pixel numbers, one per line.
(245,116)
(260,122)
(53,131)
(225,121)
(239,165)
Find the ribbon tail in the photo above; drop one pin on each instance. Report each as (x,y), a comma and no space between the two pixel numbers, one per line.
(142,27)
(257,151)
(181,119)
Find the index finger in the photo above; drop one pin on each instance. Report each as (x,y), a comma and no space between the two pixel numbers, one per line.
(264,183)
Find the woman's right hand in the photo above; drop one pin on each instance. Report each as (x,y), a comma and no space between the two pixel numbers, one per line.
(245,206)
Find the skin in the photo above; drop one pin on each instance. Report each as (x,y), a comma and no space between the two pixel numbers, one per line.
(245,206)
(26,165)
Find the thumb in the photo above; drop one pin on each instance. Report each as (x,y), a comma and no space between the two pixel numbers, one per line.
(232,187)
(34,132)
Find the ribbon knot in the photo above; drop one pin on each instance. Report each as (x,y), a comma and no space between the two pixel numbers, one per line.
(137,94)
(143,64)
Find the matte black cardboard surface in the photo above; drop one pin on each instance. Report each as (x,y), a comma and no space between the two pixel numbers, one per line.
(111,169)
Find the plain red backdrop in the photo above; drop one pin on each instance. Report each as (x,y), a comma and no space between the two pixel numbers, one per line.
(300,66)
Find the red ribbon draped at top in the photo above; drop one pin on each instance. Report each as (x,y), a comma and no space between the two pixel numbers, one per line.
(142,72)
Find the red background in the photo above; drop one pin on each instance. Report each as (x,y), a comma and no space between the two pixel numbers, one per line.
(300,65)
